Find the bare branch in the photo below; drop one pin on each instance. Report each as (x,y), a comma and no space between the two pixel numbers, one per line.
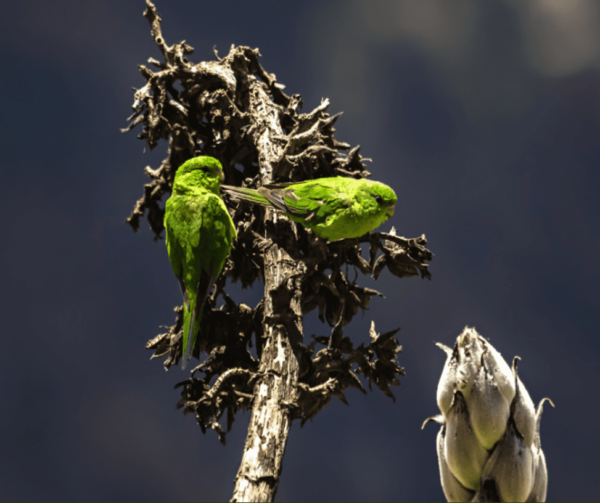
(234,110)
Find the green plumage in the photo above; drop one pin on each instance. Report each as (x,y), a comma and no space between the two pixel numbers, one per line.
(199,233)
(334,208)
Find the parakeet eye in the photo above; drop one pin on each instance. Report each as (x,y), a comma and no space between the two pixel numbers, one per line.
(379,199)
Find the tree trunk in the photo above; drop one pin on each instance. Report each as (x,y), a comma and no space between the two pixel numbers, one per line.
(258,476)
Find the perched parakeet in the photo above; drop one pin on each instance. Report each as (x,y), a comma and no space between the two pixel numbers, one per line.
(199,233)
(334,208)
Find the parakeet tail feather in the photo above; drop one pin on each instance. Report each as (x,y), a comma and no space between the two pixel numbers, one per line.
(205,284)
(241,194)
(188,350)
(275,197)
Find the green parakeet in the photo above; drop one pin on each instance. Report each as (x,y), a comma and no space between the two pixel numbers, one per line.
(334,208)
(199,233)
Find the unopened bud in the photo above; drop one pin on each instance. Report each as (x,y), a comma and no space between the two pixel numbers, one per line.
(488,446)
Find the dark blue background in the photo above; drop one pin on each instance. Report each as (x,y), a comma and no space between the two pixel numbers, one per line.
(484,118)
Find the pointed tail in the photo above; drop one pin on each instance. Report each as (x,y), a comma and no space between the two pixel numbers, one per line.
(205,284)
(190,321)
(188,343)
(241,194)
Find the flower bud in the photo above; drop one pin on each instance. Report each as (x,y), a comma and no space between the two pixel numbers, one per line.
(488,446)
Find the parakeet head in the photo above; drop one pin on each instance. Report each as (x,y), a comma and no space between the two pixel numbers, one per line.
(384,199)
(199,172)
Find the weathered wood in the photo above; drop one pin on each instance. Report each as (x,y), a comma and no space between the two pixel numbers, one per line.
(260,469)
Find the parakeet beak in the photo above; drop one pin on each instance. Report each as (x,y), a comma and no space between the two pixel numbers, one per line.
(221,176)
(391,209)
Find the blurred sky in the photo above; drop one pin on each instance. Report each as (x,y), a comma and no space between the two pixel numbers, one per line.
(483,116)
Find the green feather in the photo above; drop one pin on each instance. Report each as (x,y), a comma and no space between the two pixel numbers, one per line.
(334,208)
(199,233)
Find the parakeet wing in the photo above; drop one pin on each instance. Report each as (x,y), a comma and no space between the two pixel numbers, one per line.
(199,234)
(304,200)
(313,201)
